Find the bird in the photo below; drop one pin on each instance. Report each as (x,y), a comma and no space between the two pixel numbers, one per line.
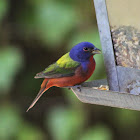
(70,70)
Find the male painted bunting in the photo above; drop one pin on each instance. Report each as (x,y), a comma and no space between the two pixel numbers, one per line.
(71,69)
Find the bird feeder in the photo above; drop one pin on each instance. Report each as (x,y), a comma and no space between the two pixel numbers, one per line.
(119,29)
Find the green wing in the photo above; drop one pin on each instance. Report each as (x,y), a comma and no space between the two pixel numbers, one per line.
(64,67)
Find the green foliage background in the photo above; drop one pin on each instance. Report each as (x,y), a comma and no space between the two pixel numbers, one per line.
(34,34)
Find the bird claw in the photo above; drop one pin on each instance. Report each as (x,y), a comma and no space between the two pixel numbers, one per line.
(78,87)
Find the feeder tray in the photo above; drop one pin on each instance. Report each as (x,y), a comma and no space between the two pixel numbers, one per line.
(121,50)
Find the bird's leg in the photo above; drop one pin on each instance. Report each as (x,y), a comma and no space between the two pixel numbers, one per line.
(76,86)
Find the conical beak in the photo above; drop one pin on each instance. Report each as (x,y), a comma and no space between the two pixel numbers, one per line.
(96,51)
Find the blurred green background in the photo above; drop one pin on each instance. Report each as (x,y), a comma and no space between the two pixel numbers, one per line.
(34,34)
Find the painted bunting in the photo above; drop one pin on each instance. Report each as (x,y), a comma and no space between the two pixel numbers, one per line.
(71,69)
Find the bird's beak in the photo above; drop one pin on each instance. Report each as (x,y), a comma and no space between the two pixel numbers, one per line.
(96,51)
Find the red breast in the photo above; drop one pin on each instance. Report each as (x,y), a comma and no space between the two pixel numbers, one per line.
(79,77)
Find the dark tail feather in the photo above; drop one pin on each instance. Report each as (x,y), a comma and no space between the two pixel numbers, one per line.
(42,90)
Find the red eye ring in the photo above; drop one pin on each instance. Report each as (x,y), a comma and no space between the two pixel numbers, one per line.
(85,49)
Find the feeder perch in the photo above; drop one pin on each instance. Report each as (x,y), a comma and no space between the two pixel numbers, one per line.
(119,29)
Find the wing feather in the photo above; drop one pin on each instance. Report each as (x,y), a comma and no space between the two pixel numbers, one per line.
(63,67)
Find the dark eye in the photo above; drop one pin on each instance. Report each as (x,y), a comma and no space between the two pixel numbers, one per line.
(85,49)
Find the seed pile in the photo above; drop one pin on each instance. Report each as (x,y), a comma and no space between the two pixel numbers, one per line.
(126,41)
(134,87)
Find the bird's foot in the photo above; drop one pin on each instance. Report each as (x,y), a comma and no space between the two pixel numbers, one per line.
(76,86)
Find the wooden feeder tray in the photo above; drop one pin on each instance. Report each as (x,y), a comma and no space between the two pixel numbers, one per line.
(123,82)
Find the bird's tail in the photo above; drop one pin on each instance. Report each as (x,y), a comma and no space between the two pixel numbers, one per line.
(43,88)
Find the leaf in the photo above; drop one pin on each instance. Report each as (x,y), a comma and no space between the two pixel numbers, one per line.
(55,20)
(29,132)
(64,124)
(126,119)
(49,21)
(99,132)
(3,8)
(11,60)
(9,122)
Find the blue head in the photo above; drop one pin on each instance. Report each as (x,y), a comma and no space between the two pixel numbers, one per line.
(83,51)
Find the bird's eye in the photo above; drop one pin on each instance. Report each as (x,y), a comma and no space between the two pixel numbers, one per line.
(85,49)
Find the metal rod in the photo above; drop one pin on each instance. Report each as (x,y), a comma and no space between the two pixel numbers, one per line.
(106,41)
